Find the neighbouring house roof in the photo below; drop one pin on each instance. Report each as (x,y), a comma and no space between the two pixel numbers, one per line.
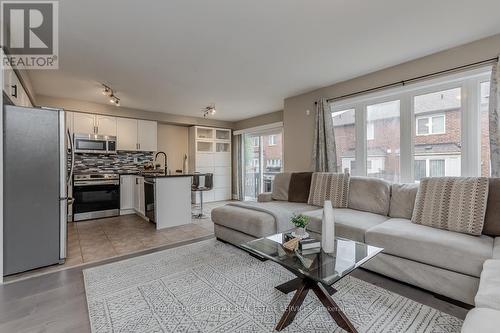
(439,148)
(371,152)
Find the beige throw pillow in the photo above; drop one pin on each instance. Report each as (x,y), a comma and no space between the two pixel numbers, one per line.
(329,186)
(402,200)
(452,203)
(281,183)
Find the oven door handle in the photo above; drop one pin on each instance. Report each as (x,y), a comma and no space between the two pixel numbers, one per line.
(94,183)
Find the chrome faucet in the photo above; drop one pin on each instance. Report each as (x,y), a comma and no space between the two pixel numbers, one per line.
(165,160)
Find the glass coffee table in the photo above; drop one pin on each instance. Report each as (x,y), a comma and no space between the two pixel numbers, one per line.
(316,272)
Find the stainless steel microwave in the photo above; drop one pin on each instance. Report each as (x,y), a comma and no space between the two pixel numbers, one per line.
(94,144)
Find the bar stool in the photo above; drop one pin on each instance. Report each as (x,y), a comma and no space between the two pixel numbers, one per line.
(206,184)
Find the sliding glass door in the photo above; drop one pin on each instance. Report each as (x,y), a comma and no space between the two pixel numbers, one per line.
(262,160)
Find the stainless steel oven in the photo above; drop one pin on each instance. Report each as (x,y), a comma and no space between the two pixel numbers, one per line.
(96,196)
(94,144)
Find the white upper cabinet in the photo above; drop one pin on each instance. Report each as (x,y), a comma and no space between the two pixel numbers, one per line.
(126,134)
(136,135)
(147,135)
(106,125)
(84,123)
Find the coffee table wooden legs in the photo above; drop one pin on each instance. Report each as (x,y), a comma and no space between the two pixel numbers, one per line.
(294,306)
(290,286)
(333,309)
(303,286)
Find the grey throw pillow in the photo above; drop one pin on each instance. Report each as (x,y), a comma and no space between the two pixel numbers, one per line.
(281,184)
(403,200)
(370,195)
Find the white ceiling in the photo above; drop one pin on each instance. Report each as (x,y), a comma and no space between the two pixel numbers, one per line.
(177,56)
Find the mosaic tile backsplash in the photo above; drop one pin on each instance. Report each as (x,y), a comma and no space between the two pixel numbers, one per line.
(113,163)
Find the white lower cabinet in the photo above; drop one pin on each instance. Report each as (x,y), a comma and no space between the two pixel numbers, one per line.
(139,195)
(127,191)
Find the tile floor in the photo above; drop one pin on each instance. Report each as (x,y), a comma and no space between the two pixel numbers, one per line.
(96,240)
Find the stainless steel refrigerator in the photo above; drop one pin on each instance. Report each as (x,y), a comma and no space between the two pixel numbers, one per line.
(35,188)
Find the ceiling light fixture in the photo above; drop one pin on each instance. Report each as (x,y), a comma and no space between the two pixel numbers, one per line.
(114,100)
(209,110)
(107,91)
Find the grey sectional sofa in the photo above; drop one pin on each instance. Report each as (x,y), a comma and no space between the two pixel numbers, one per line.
(444,262)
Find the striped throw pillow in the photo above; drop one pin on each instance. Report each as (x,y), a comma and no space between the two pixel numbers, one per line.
(329,186)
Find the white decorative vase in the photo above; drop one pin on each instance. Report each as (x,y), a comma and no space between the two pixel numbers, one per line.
(328,228)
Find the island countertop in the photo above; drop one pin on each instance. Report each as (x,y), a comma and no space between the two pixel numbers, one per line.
(160,175)
(145,175)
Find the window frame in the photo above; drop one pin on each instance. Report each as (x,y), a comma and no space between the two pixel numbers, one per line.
(469,83)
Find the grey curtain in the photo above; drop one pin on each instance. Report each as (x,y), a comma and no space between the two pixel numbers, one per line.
(495,122)
(324,149)
(237,167)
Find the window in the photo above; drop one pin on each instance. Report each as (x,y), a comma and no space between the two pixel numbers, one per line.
(370,131)
(345,139)
(420,169)
(261,161)
(382,153)
(255,141)
(431,125)
(433,112)
(436,168)
(415,131)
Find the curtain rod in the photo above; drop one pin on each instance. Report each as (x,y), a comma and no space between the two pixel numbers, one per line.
(414,79)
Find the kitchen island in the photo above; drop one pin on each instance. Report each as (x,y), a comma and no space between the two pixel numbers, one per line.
(162,199)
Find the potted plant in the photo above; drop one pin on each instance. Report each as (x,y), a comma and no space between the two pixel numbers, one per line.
(300,221)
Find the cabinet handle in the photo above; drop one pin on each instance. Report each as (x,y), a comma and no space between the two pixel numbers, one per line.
(14,91)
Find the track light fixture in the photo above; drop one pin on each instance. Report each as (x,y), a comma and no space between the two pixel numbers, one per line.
(114,100)
(209,110)
(107,91)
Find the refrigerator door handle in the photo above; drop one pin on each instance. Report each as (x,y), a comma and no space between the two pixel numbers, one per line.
(72,150)
(63,167)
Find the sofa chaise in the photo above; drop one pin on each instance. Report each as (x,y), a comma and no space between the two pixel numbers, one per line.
(379,213)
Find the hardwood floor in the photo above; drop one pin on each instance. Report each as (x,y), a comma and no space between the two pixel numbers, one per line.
(56,302)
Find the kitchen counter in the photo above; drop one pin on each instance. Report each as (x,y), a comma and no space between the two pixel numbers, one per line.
(159,175)
(159,198)
(145,175)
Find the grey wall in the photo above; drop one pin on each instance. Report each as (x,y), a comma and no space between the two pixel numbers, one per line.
(299,127)
(264,119)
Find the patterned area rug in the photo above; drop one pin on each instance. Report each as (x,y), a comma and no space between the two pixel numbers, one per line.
(213,287)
